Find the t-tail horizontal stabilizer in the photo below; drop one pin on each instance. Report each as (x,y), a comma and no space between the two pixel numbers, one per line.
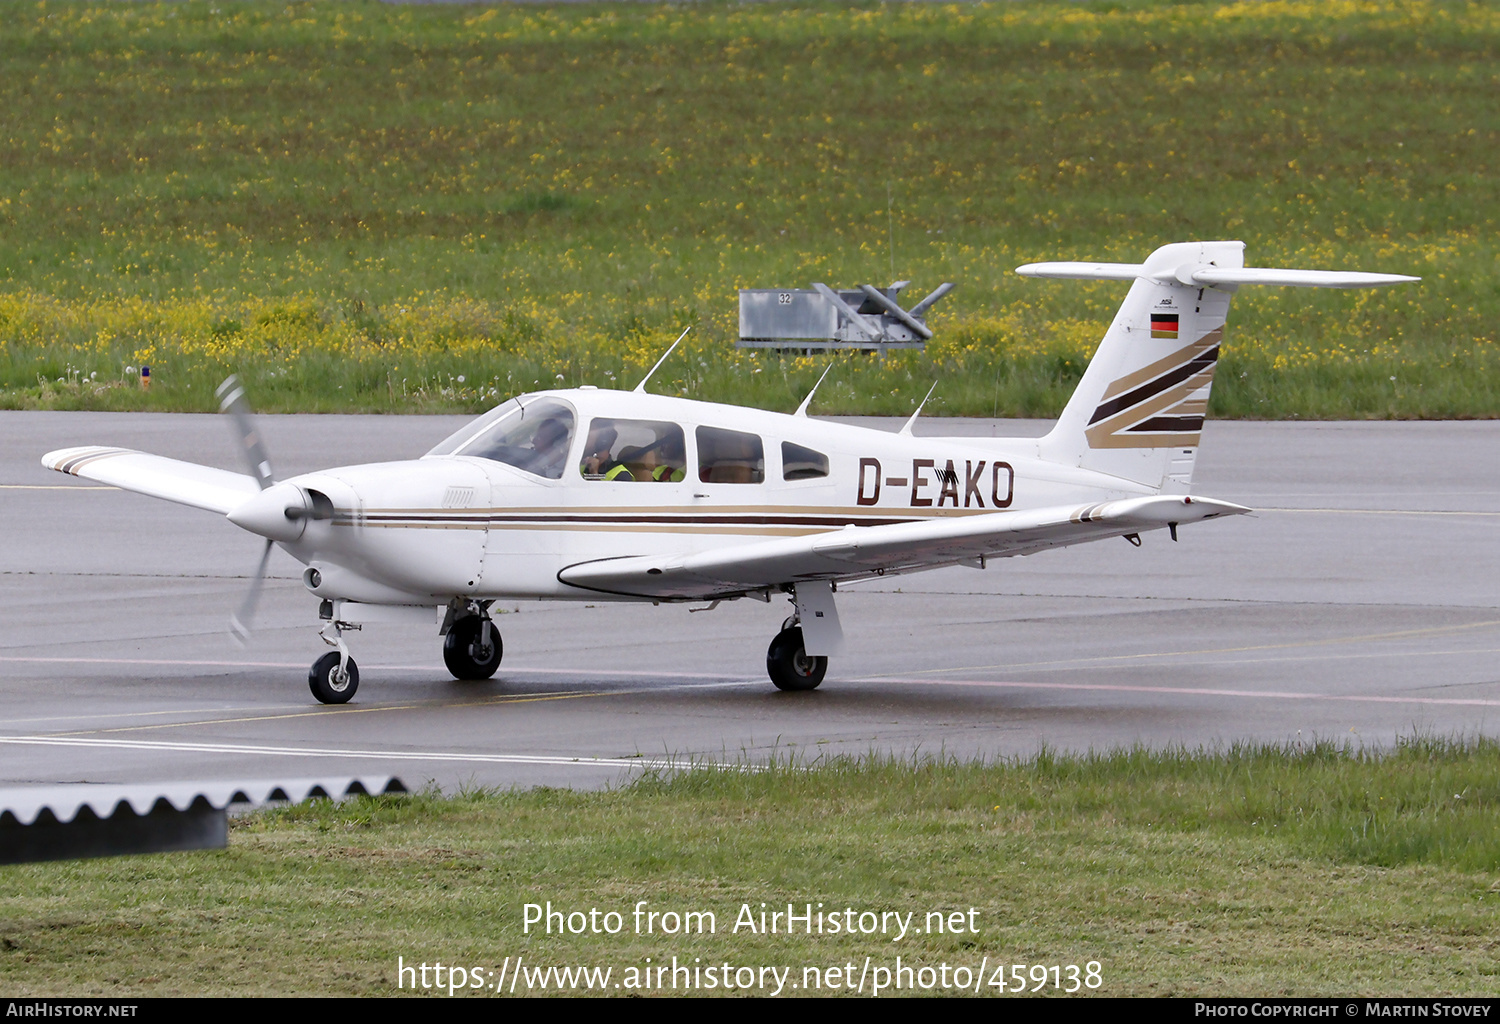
(1211,276)
(1138,411)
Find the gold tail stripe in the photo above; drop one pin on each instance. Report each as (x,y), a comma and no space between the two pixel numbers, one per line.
(1109,433)
(1166,364)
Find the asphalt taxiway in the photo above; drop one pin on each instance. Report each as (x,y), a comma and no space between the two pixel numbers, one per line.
(1360,603)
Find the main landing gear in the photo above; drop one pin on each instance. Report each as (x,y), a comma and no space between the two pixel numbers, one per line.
(472,648)
(789,665)
(814,623)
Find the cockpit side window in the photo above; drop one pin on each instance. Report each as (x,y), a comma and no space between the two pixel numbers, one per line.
(533,436)
(624,450)
(799,463)
(730,457)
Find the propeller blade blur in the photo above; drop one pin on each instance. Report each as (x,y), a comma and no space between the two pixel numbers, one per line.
(233,402)
(240,621)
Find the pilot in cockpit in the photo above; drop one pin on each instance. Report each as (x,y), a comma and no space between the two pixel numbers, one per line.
(551,445)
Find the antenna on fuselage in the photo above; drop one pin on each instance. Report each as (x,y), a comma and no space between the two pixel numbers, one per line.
(641,387)
(802,409)
(906,430)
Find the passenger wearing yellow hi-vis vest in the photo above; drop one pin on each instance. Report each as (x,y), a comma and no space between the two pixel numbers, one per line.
(673,458)
(600,463)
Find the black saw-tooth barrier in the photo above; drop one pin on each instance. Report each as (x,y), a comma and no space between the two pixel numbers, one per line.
(80,820)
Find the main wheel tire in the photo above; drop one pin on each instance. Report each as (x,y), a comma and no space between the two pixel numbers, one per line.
(324,682)
(463,655)
(788,664)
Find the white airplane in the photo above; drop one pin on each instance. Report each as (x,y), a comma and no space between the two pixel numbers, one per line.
(587,494)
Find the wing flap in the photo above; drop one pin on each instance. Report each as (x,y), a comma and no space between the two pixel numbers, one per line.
(187,483)
(860,552)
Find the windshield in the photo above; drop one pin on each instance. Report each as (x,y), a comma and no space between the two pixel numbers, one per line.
(532,435)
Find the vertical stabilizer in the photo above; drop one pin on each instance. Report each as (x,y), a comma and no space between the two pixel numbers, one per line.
(1139,409)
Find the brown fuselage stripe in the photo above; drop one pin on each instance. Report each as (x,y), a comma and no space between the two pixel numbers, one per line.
(924,512)
(700,520)
(748,531)
(762,522)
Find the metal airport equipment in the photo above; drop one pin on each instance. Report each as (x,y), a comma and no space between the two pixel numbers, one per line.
(72,821)
(820,318)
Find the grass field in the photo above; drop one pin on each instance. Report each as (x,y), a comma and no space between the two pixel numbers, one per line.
(412,208)
(1244,872)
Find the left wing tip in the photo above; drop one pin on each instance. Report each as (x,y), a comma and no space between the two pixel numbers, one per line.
(56,459)
(66,460)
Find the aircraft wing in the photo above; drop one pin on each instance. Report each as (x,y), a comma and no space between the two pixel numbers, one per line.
(860,552)
(186,483)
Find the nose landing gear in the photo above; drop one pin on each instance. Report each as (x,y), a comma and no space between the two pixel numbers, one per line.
(334,677)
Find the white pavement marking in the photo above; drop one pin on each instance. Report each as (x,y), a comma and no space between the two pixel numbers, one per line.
(612,673)
(1188,691)
(1381,511)
(389,755)
(180,661)
(1430,632)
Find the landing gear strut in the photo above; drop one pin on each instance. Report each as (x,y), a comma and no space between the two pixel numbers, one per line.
(472,648)
(334,677)
(789,666)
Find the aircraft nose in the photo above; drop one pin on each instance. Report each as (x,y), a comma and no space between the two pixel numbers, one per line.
(277,513)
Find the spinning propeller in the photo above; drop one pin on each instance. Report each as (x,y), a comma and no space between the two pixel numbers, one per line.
(279,512)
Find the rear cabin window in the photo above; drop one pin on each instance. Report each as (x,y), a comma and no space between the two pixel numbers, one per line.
(634,450)
(730,457)
(799,463)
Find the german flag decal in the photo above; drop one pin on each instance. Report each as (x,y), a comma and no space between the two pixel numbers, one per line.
(1164,325)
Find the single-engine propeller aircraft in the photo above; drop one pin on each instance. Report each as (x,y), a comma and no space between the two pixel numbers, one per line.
(590,494)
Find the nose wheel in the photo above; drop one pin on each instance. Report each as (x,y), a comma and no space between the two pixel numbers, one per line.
(334,677)
(789,665)
(472,648)
(332,682)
